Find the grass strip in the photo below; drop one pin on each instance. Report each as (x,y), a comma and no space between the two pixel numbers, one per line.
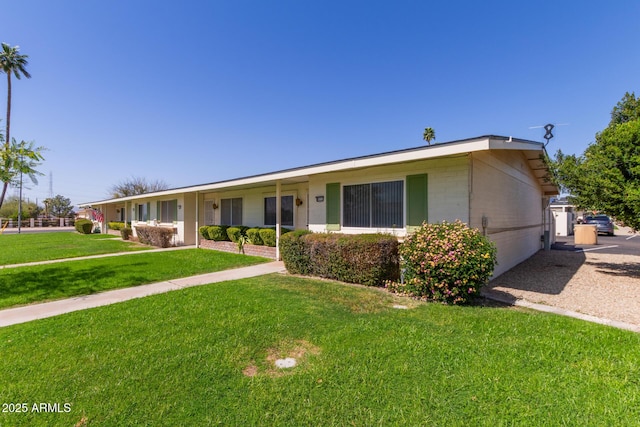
(23,248)
(204,356)
(25,285)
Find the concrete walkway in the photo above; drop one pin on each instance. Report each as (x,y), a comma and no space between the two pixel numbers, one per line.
(28,313)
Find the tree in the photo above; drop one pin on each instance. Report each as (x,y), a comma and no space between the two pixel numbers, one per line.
(10,209)
(19,159)
(628,109)
(58,206)
(607,176)
(429,135)
(11,62)
(136,185)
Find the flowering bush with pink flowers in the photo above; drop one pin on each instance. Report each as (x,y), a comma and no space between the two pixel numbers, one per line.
(445,262)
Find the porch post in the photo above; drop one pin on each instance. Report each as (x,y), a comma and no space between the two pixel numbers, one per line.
(197,219)
(278,218)
(103,225)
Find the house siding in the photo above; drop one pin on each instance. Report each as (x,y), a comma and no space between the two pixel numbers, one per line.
(505,192)
(253,204)
(447,197)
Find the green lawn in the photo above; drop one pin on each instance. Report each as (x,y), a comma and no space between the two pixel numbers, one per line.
(24,285)
(203,356)
(23,248)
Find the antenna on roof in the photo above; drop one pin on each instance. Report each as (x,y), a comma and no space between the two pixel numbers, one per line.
(548,128)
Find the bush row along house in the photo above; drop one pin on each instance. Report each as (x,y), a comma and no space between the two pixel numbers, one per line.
(497,184)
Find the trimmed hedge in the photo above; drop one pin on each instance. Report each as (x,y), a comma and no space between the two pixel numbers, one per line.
(368,259)
(126,233)
(268,236)
(116,225)
(204,231)
(235,232)
(254,236)
(294,254)
(155,236)
(84,226)
(218,232)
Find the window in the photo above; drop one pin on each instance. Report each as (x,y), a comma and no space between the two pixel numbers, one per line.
(168,210)
(377,205)
(286,210)
(142,212)
(231,211)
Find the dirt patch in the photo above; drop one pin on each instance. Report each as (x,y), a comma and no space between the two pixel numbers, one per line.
(298,350)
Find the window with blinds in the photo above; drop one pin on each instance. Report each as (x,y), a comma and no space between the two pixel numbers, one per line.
(231,211)
(168,210)
(286,210)
(376,205)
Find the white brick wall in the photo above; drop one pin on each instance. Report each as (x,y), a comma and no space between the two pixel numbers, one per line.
(505,191)
(448,197)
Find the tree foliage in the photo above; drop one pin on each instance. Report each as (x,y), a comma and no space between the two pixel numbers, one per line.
(136,185)
(607,176)
(11,63)
(429,135)
(10,209)
(19,159)
(627,110)
(59,206)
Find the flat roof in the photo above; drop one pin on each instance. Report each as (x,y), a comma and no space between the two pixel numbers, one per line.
(481,143)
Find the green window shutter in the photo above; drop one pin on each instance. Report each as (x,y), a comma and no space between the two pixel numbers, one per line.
(417,204)
(148,214)
(175,211)
(333,206)
(158,211)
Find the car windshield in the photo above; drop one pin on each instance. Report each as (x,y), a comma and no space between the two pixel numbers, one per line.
(598,218)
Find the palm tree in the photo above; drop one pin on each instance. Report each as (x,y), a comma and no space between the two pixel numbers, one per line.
(428,135)
(11,62)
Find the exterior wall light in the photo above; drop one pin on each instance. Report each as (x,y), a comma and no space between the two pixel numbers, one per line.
(319,199)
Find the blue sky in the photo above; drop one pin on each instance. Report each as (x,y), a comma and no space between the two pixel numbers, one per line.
(194,92)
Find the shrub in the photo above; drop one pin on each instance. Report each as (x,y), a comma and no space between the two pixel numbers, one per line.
(293,252)
(204,232)
(84,226)
(116,225)
(446,262)
(126,233)
(234,233)
(155,236)
(268,236)
(368,259)
(218,232)
(253,234)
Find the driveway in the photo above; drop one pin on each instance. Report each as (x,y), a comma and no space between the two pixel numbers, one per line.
(600,280)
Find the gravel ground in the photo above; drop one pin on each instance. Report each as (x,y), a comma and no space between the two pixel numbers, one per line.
(598,284)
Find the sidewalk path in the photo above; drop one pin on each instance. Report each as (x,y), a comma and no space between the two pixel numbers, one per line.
(27,313)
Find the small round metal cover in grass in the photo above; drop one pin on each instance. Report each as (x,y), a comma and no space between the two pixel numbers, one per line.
(289,362)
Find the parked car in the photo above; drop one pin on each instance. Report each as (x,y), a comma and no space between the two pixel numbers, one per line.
(603,223)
